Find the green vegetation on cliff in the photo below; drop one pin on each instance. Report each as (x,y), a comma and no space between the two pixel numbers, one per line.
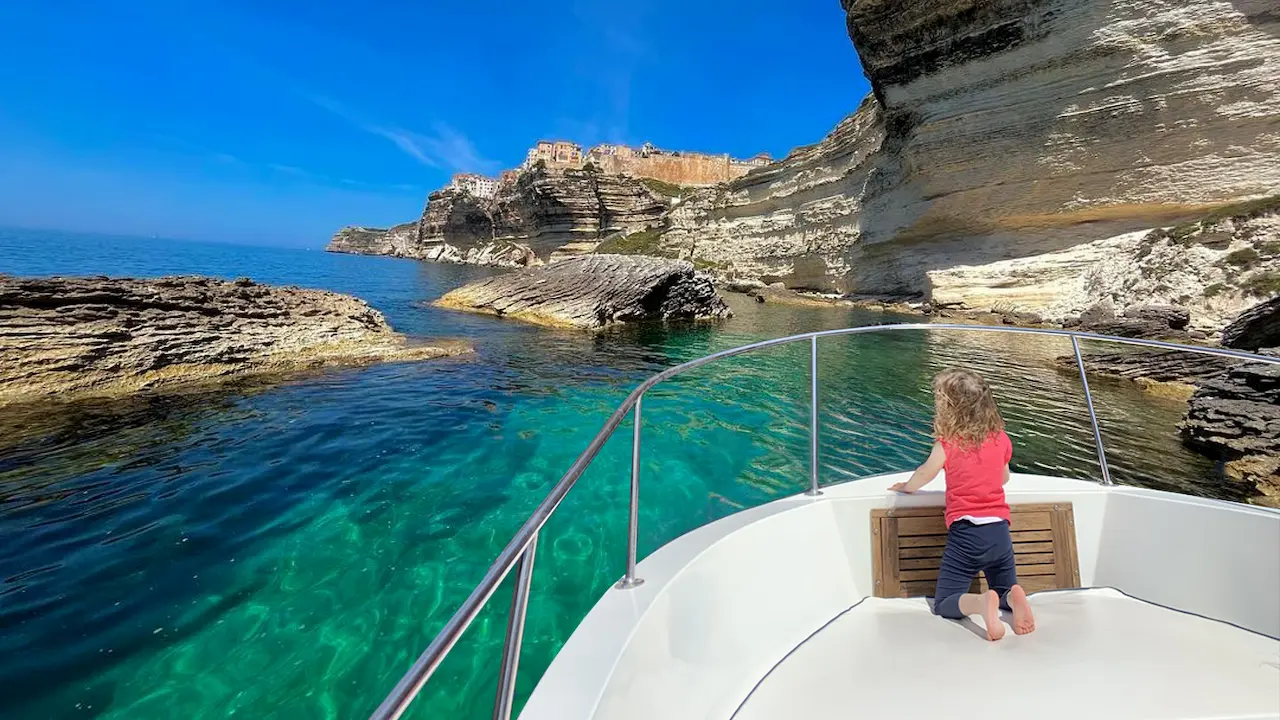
(1186,232)
(644,242)
(1263,284)
(668,189)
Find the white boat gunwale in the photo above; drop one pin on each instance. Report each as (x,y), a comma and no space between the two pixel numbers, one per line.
(613,666)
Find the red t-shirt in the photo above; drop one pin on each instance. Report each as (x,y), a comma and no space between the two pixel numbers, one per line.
(975,478)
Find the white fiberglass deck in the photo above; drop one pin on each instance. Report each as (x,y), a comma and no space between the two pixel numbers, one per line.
(735,620)
(1095,653)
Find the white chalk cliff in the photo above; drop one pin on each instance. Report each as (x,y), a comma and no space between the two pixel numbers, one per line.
(1011,149)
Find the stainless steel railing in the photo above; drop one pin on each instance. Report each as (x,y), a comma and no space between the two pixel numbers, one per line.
(520,550)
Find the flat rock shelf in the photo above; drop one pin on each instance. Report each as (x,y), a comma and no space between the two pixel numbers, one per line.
(69,337)
(594,291)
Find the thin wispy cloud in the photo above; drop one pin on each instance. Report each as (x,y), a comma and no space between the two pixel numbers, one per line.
(289,170)
(443,147)
(227,159)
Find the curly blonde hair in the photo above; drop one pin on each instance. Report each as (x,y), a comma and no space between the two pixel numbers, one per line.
(964,411)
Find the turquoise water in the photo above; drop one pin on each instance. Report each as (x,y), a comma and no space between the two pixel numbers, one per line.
(287,551)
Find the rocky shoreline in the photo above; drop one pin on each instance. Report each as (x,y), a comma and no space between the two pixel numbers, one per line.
(66,338)
(1233,406)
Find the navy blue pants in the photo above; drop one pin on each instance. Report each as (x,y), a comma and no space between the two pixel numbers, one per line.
(972,549)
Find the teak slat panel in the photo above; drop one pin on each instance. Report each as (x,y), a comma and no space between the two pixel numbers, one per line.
(907,547)
(915,552)
(884,558)
(1041,558)
(935,525)
(1064,540)
(1030,521)
(924,541)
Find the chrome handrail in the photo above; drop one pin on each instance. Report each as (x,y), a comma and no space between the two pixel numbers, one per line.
(522,546)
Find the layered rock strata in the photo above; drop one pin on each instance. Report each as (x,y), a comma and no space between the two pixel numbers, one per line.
(1256,328)
(398,241)
(1235,417)
(1233,413)
(1215,269)
(595,291)
(1007,132)
(544,214)
(566,212)
(1152,366)
(1136,321)
(75,337)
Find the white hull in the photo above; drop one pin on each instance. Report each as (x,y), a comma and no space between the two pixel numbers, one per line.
(725,612)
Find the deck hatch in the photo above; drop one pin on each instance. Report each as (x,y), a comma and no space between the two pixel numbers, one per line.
(907,543)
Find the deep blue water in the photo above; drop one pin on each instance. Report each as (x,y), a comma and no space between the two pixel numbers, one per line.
(287,550)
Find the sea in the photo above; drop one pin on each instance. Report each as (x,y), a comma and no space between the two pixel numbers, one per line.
(287,549)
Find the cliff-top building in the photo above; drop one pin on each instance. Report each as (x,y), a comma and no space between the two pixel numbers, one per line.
(672,166)
(554,152)
(478,185)
(647,161)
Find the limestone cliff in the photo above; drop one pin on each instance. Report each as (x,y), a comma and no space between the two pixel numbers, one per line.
(1215,269)
(1002,130)
(545,214)
(559,212)
(397,241)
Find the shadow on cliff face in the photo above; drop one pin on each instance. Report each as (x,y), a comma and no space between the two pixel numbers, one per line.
(1033,129)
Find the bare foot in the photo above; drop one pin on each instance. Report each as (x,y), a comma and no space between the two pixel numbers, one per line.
(1023,621)
(991,614)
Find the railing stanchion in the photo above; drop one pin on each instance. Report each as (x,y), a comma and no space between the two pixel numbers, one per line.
(1093,415)
(813,418)
(633,523)
(515,634)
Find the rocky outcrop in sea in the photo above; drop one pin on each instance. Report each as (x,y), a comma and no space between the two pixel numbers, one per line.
(1235,417)
(1256,328)
(545,214)
(398,241)
(595,291)
(1233,412)
(67,338)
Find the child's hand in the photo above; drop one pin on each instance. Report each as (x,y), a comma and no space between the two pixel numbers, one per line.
(900,487)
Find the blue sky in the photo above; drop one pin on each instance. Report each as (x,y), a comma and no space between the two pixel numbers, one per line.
(278,121)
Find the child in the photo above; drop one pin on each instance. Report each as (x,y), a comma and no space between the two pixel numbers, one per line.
(973,448)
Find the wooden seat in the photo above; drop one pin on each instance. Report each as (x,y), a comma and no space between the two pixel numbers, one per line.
(907,543)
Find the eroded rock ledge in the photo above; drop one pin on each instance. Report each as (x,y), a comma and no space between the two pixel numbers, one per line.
(1233,412)
(83,336)
(595,291)
(1235,417)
